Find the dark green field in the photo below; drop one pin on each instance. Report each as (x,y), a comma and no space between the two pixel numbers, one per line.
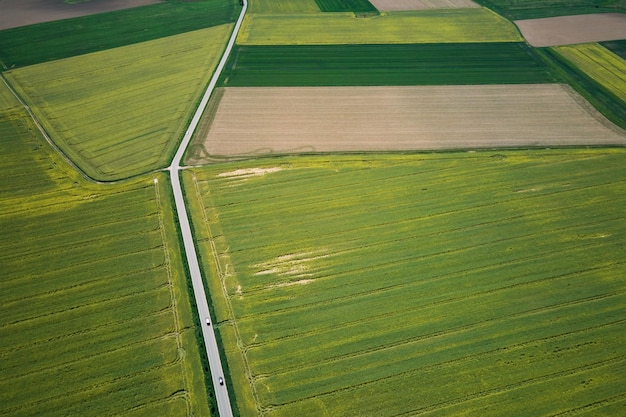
(65,38)
(531,9)
(617,47)
(357,6)
(410,64)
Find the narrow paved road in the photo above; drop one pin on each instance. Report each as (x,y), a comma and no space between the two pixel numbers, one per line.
(221,392)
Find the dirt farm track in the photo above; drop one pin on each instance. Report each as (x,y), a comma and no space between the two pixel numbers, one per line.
(15,13)
(262,120)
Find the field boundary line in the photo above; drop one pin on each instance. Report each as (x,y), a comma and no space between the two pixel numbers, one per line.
(174,308)
(221,276)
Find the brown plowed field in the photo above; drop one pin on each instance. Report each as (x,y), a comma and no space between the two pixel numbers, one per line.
(393,5)
(14,13)
(262,120)
(567,30)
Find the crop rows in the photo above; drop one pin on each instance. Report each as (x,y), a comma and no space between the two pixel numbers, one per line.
(429,26)
(121,112)
(93,303)
(531,9)
(401,64)
(421,284)
(70,37)
(283,6)
(599,64)
(356,6)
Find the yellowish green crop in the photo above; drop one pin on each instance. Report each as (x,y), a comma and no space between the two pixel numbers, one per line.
(599,63)
(122,112)
(283,6)
(432,26)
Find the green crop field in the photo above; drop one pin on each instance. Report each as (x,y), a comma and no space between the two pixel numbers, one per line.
(122,112)
(531,9)
(487,283)
(282,6)
(617,47)
(66,38)
(95,317)
(356,6)
(428,26)
(600,64)
(399,64)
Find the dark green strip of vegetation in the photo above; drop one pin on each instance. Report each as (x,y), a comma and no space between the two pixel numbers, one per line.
(617,47)
(356,6)
(601,98)
(413,64)
(48,41)
(531,9)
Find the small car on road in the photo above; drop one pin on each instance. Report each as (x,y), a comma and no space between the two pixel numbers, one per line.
(221,380)
(208,321)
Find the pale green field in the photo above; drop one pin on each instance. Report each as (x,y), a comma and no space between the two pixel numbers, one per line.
(283,6)
(599,63)
(487,283)
(95,316)
(431,26)
(122,112)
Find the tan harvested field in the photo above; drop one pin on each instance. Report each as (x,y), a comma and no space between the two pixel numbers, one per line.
(398,5)
(264,120)
(568,30)
(15,13)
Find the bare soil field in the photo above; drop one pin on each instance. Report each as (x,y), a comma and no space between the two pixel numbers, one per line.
(15,13)
(265,120)
(398,5)
(567,30)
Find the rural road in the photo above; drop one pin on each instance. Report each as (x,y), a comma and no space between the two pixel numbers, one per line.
(212,351)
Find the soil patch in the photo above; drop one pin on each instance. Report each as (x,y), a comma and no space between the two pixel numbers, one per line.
(398,5)
(567,30)
(267,120)
(15,13)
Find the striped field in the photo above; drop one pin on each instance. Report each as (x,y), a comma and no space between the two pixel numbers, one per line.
(428,26)
(121,112)
(419,284)
(94,312)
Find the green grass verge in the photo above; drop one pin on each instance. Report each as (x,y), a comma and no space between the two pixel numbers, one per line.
(94,316)
(399,64)
(356,6)
(121,112)
(428,26)
(398,284)
(532,9)
(66,38)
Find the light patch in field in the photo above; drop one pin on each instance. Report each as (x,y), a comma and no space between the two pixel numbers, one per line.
(265,120)
(249,172)
(17,13)
(296,265)
(567,30)
(398,5)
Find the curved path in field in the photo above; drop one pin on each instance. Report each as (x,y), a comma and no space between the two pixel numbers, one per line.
(221,392)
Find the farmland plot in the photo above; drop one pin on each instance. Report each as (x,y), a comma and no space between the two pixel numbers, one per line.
(264,120)
(425,284)
(283,6)
(399,64)
(121,112)
(94,313)
(396,5)
(427,26)
(600,64)
(530,9)
(565,30)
